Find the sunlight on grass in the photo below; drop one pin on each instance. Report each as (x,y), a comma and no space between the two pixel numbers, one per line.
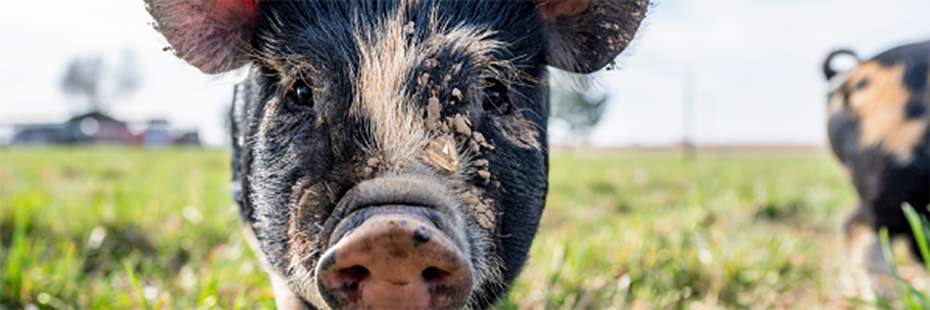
(72,217)
(660,232)
(131,228)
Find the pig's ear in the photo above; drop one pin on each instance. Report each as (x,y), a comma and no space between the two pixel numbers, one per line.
(210,35)
(585,35)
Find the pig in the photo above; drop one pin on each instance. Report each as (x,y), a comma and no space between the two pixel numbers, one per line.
(877,123)
(392,154)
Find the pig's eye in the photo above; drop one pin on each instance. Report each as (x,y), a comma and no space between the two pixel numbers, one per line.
(300,96)
(303,96)
(495,99)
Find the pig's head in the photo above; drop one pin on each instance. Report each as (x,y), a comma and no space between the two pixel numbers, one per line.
(393,154)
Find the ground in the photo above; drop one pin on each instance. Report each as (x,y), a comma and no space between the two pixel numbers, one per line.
(137,228)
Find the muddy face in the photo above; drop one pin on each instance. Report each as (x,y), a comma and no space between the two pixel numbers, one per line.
(394,154)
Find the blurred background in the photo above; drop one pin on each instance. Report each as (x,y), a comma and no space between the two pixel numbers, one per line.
(716,72)
(124,227)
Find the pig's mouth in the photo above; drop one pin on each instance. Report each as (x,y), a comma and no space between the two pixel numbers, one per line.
(395,242)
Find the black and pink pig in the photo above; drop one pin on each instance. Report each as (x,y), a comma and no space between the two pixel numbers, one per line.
(393,154)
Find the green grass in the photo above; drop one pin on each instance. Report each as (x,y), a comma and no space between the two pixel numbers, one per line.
(904,294)
(172,237)
(619,231)
(661,232)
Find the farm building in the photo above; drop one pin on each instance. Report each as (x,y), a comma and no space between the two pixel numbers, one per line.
(99,128)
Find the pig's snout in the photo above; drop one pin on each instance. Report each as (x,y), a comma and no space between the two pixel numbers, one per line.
(395,261)
(396,243)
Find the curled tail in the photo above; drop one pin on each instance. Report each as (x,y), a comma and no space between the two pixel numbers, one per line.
(827,70)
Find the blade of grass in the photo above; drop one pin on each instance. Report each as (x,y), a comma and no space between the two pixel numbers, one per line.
(918,226)
(240,300)
(886,251)
(162,301)
(135,283)
(914,219)
(893,265)
(913,298)
(879,302)
(18,248)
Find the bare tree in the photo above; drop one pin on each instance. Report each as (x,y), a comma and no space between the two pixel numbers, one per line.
(82,78)
(88,78)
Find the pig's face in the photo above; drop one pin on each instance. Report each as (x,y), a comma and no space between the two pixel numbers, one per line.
(431,117)
(394,154)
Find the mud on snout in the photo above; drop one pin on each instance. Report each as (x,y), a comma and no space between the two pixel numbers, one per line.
(396,243)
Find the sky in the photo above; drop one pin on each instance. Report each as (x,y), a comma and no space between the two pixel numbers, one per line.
(754,67)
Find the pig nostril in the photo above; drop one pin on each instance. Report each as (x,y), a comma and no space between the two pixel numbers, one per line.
(353,276)
(421,236)
(433,274)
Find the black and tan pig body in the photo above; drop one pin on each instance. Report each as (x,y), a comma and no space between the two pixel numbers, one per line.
(878,128)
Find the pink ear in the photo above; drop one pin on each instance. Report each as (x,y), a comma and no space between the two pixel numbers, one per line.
(585,35)
(551,9)
(211,35)
(241,8)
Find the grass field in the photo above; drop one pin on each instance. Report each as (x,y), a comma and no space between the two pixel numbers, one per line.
(130,228)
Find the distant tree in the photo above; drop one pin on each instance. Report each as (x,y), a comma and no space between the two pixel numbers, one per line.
(82,78)
(578,108)
(88,78)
